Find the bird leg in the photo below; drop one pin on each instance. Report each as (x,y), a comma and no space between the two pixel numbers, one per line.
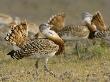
(36,65)
(46,68)
(77,48)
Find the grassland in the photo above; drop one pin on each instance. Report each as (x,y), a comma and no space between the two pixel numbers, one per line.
(92,66)
(69,67)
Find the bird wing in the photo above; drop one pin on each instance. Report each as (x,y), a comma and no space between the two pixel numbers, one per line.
(74,31)
(39,47)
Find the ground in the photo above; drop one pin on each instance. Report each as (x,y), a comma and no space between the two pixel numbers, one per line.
(93,66)
(68,68)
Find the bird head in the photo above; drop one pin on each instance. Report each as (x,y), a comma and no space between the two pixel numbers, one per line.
(86,17)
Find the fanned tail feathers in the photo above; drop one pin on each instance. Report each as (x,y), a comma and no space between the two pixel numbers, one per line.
(57,21)
(99,22)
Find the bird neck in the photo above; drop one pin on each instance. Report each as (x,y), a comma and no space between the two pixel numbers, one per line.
(53,36)
(60,43)
(91,28)
(87,19)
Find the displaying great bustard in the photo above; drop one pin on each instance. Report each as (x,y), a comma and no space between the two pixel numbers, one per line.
(40,48)
(65,31)
(76,32)
(95,24)
(68,32)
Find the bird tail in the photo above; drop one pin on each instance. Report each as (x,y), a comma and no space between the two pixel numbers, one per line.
(97,34)
(15,54)
(100,34)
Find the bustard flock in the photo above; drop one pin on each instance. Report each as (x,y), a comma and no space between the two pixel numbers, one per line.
(54,32)
(92,26)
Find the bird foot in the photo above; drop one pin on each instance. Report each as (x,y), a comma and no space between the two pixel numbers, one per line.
(50,72)
(37,74)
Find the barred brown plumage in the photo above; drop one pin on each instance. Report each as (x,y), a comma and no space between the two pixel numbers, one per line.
(36,48)
(57,21)
(74,32)
(95,24)
(98,20)
(69,31)
(40,48)
(18,35)
(100,34)
(97,34)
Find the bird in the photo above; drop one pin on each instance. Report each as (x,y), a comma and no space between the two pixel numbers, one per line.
(93,27)
(56,22)
(95,24)
(40,48)
(65,31)
(81,31)
(74,33)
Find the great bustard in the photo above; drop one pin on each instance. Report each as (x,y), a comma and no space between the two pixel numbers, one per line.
(95,24)
(40,48)
(77,32)
(67,31)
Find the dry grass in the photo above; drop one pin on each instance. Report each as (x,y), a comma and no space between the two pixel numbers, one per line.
(93,66)
(70,68)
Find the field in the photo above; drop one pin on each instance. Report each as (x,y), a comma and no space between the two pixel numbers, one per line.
(92,64)
(68,68)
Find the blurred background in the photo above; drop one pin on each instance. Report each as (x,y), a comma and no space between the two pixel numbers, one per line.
(40,10)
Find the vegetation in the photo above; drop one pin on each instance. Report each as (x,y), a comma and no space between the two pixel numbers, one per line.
(69,67)
(91,65)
